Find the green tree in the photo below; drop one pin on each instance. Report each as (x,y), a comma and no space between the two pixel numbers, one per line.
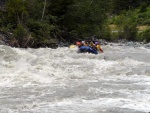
(127,25)
(45,19)
(144,36)
(35,9)
(58,11)
(87,17)
(121,5)
(16,11)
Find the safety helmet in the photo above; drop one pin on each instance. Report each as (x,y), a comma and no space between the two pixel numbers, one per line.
(83,42)
(96,43)
(78,43)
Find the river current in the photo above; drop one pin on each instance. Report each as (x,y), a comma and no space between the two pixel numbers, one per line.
(61,80)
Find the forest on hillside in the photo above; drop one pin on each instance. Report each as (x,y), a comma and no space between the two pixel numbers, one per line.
(41,23)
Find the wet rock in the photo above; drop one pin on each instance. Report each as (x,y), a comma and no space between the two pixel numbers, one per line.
(137,44)
(2,42)
(147,45)
(130,44)
(62,44)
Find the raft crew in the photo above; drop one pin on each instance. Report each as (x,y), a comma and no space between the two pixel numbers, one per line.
(85,46)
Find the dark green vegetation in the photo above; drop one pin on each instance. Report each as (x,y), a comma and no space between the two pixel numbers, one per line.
(41,23)
(131,21)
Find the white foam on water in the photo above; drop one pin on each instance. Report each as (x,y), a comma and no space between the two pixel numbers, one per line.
(79,105)
(64,81)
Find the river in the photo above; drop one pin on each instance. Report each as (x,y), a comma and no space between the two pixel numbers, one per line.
(61,80)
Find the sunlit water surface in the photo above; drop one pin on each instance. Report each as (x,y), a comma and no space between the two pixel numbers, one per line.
(62,81)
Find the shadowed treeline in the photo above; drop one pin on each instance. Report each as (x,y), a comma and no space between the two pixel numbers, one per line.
(44,23)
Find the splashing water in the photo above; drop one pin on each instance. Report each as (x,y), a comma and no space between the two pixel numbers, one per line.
(62,81)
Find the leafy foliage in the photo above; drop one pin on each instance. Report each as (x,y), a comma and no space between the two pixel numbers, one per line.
(125,5)
(127,25)
(43,21)
(87,17)
(145,36)
(16,11)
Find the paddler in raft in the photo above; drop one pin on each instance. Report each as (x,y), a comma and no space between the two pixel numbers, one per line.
(98,47)
(83,48)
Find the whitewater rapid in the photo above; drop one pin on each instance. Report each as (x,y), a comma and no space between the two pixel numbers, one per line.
(61,80)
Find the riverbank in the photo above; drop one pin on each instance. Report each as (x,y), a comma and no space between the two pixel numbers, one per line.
(6,39)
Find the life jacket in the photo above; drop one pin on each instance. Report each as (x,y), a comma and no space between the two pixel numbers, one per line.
(99,48)
(85,44)
(92,45)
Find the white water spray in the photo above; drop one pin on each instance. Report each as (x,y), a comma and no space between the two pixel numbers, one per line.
(62,81)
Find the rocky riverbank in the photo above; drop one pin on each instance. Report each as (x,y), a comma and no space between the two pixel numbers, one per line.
(6,39)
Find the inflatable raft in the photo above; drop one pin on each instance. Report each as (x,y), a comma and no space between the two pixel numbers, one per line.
(84,49)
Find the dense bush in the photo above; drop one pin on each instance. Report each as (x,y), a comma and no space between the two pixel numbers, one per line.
(20,32)
(127,22)
(44,20)
(130,32)
(144,36)
(114,36)
(105,33)
(146,22)
(60,19)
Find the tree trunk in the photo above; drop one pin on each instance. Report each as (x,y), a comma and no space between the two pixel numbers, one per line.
(43,10)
